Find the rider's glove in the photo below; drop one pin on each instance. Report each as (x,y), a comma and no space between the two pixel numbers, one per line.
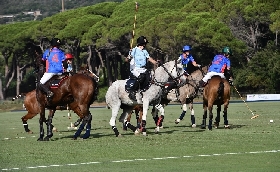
(198,65)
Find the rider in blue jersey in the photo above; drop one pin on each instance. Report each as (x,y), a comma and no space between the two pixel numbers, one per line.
(138,60)
(219,65)
(186,57)
(53,58)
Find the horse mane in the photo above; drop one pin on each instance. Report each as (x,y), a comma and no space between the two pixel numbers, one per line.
(196,75)
(160,71)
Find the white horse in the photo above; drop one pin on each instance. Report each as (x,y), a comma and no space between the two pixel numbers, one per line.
(117,96)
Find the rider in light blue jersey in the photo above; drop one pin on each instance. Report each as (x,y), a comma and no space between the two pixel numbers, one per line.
(138,61)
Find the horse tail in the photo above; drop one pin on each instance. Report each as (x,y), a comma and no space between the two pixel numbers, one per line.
(18,96)
(221,90)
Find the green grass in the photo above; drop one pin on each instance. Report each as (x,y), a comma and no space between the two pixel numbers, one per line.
(177,142)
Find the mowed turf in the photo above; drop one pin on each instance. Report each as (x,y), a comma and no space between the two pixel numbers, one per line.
(250,145)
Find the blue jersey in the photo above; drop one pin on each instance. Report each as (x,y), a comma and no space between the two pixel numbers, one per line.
(219,64)
(140,57)
(54,58)
(186,60)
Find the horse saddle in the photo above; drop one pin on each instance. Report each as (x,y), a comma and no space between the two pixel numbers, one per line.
(132,84)
(56,81)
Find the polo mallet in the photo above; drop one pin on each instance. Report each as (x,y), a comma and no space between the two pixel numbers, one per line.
(134,25)
(254,116)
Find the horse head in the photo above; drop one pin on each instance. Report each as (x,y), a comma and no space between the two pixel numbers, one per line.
(84,69)
(170,70)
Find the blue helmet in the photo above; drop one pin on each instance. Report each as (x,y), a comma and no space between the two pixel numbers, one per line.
(186,48)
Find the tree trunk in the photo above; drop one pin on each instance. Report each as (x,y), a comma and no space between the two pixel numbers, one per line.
(9,74)
(89,58)
(19,75)
(1,89)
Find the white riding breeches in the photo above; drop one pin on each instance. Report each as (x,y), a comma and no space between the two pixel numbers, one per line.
(137,71)
(210,74)
(47,76)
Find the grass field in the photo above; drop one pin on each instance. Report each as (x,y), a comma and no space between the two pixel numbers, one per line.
(250,145)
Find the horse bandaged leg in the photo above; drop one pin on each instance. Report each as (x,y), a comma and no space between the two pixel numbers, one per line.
(160,109)
(49,128)
(130,126)
(87,120)
(184,107)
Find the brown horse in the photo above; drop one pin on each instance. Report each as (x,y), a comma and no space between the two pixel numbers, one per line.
(216,92)
(32,106)
(78,91)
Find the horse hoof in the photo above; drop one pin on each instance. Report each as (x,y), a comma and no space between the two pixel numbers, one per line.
(156,130)
(203,127)
(227,126)
(40,139)
(46,139)
(193,125)
(137,132)
(74,138)
(144,133)
(54,129)
(177,121)
(120,135)
(30,132)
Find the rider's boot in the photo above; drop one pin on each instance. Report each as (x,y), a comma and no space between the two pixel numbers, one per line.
(132,95)
(202,83)
(45,89)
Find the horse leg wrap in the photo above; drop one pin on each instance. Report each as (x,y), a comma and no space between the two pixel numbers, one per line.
(25,125)
(77,122)
(42,132)
(49,128)
(78,132)
(128,125)
(160,108)
(156,119)
(210,124)
(88,126)
(225,118)
(143,125)
(182,115)
(115,131)
(193,119)
(160,120)
(203,124)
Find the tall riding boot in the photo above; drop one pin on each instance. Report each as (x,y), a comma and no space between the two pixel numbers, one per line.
(133,91)
(132,95)
(45,89)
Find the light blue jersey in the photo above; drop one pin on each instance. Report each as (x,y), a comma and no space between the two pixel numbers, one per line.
(140,57)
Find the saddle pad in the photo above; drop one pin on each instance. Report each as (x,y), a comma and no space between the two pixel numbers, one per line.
(56,82)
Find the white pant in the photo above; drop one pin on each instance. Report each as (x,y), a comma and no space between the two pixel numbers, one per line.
(210,74)
(47,76)
(137,71)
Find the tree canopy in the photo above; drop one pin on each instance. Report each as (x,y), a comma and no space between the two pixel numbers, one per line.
(100,35)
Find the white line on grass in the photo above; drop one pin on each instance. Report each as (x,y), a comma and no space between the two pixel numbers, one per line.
(120,161)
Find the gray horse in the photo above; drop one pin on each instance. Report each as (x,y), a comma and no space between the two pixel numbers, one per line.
(185,95)
(188,92)
(117,96)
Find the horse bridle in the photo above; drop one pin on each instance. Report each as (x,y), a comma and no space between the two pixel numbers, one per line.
(175,79)
(88,70)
